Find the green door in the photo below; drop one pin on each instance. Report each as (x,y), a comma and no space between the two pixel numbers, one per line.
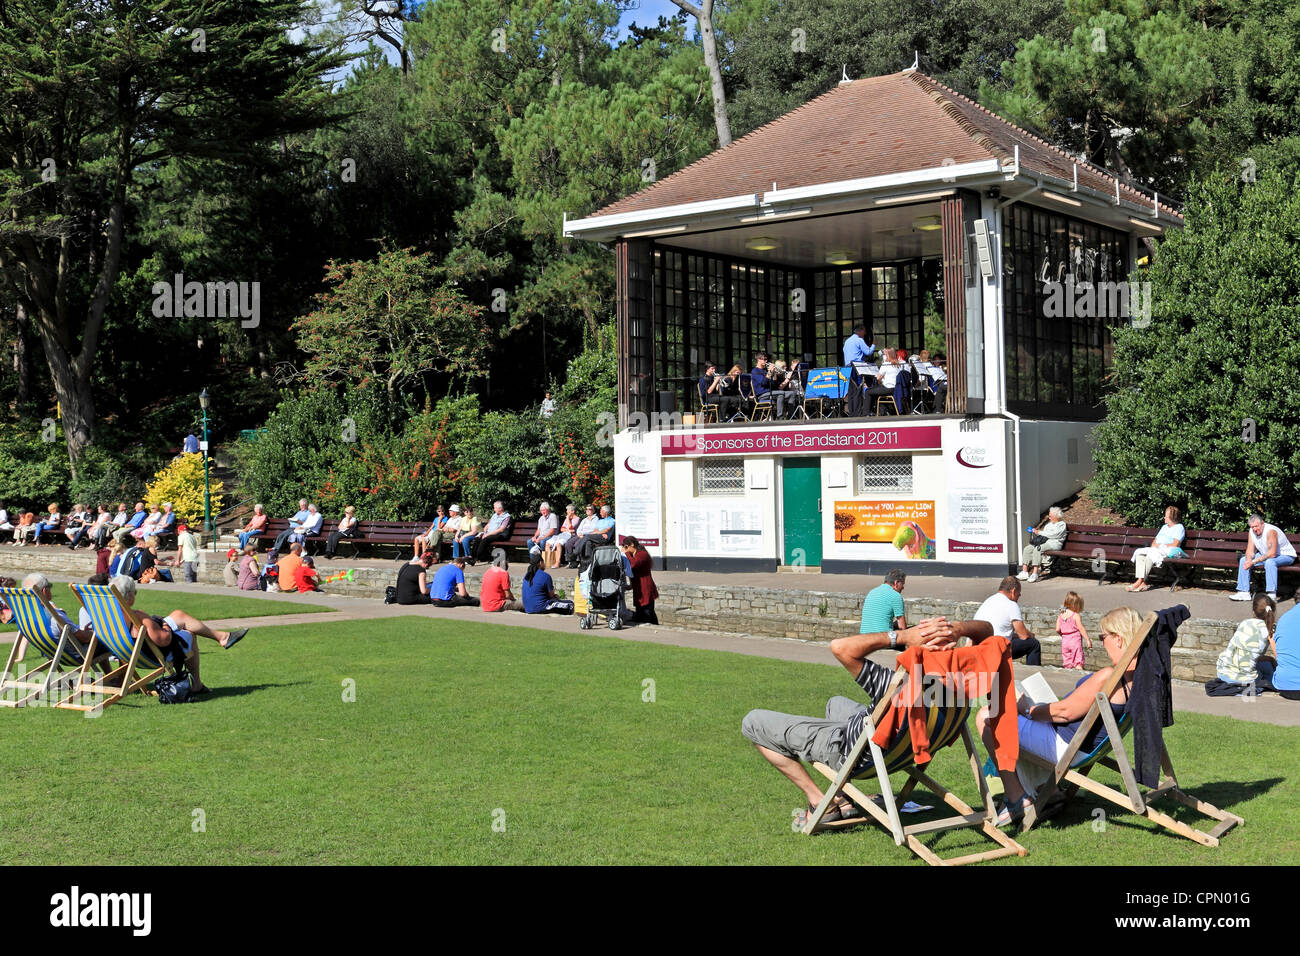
(801,490)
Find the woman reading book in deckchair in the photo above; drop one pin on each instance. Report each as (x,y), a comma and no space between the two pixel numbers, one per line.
(1046,729)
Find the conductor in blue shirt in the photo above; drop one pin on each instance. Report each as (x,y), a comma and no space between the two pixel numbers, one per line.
(856,349)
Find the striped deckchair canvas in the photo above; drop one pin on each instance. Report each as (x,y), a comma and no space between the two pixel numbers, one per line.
(946,723)
(115,627)
(37,622)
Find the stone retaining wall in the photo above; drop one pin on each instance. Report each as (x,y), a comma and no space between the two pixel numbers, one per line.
(805,615)
(821,616)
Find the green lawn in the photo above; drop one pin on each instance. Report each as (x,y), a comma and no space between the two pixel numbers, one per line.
(205,607)
(459,725)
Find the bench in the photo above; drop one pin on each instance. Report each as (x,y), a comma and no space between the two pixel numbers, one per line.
(399,534)
(1102,544)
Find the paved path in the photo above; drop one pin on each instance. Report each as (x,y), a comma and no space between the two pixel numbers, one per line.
(1189,697)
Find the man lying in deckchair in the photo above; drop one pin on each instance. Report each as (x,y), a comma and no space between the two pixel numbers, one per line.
(177,626)
(786,739)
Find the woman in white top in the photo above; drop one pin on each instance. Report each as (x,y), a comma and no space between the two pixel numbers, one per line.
(149,525)
(1168,539)
(1267,545)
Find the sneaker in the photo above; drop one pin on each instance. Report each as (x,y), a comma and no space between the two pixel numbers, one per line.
(1023,576)
(1273,596)
(1032,578)
(1240,596)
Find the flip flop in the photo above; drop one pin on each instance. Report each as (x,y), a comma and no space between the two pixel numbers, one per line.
(235,637)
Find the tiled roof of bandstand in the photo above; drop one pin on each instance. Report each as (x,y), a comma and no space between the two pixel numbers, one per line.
(870,127)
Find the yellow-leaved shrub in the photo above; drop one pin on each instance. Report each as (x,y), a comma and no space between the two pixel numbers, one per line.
(181,483)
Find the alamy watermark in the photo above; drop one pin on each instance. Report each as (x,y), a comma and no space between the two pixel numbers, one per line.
(208,300)
(1098,300)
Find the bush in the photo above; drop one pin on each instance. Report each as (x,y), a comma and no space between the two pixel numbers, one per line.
(1203,413)
(33,472)
(181,483)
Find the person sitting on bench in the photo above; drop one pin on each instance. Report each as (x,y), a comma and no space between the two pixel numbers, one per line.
(1267,545)
(495,533)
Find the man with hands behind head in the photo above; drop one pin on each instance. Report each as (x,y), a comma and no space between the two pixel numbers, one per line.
(787,741)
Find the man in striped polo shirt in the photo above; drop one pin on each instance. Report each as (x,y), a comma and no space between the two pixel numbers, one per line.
(787,739)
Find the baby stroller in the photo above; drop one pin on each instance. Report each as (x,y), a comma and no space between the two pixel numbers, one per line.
(606,582)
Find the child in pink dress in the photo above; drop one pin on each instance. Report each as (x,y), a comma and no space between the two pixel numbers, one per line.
(1069,624)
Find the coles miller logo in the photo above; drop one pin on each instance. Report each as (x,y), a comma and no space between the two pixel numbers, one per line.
(973,457)
(636,464)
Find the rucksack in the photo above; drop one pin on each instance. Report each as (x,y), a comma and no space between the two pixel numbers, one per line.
(130,563)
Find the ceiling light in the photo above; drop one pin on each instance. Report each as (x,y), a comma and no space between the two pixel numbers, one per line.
(1059,198)
(761,244)
(772,214)
(1147,225)
(920,197)
(666,230)
(927,223)
(842,258)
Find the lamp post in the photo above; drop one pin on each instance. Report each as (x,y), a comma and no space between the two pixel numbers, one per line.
(204,401)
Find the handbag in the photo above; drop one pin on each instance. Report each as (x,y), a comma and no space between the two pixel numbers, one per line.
(178,689)
(1037,540)
(390,595)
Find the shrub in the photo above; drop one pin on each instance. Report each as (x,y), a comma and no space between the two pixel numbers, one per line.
(181,483)
(1203,412)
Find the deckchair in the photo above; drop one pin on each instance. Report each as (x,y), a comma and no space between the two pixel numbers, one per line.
(38,623)
(946,722)
(1070,772)
(115,628)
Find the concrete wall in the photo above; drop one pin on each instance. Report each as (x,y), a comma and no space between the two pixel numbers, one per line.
(1046,472)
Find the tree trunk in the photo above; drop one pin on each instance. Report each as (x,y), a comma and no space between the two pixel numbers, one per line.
(704,16)
(21,363)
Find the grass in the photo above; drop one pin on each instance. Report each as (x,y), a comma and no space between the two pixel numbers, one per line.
(458,726)
(206,607)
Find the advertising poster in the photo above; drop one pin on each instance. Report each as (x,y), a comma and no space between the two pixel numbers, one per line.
(976,494)
(636,489)
(906,525)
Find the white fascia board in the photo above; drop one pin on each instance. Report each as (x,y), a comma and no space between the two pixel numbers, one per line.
(915,177)
(1091,199)
(608,227)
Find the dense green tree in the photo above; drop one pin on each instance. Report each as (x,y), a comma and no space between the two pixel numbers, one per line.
(1125,90)
(1202,412)
(95,97)
(781,57)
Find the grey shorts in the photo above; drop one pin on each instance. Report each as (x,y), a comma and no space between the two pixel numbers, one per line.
(803,738)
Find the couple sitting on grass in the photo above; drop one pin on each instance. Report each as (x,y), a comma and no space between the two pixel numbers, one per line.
(177,628)
(788,741)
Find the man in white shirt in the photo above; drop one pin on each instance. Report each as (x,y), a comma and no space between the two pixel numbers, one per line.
(547,525)
(1003,612)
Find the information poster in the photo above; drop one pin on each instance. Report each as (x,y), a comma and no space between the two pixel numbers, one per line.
(636,489)
(976,496)
(732,530)
(906,525)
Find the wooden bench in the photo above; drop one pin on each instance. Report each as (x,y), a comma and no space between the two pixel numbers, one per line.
(1103,544)
(398,534)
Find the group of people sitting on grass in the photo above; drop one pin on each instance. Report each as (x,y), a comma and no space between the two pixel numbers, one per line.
(447,587)
(569,541)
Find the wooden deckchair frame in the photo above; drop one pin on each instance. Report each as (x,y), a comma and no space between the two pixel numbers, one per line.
(51,667)
(888,816)
(1065,780)
(126,671)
